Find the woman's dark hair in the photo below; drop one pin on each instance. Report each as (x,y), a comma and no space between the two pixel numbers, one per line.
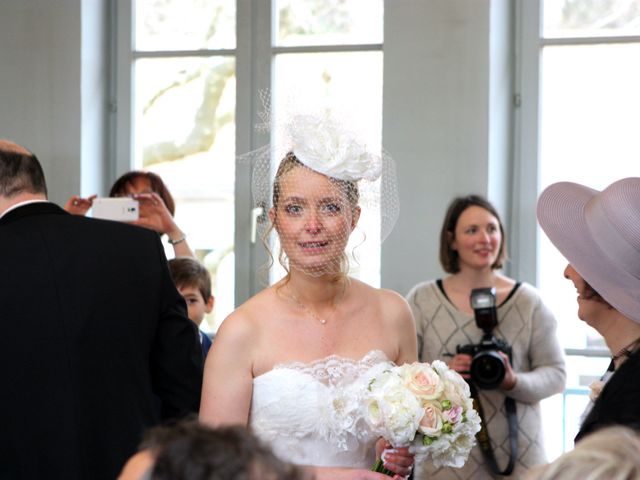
(121,185)
(448,256)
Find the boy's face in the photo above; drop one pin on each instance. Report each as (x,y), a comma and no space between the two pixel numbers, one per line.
(196,305)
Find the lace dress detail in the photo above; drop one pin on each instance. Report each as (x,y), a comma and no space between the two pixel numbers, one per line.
(310,413)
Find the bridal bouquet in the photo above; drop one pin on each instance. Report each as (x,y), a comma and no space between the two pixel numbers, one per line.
(427,407)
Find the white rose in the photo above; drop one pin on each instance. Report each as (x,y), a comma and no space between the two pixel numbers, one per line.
(391,410)
(456,389)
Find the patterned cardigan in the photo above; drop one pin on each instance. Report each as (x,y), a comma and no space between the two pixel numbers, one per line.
(537,358)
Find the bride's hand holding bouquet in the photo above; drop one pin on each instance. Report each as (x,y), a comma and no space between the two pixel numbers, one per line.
(394,460)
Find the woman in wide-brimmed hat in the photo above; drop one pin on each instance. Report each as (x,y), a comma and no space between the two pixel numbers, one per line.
(599,234)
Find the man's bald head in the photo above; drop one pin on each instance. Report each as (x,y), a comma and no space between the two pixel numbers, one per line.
(20,171)
(11,147)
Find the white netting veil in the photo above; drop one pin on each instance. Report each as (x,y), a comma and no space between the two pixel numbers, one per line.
(318,182)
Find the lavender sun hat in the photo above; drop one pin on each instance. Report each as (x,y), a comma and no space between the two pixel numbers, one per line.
(599,234)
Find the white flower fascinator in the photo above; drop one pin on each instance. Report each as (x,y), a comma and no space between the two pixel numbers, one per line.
(323,144)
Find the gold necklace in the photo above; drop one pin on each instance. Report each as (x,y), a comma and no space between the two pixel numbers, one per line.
(323,321)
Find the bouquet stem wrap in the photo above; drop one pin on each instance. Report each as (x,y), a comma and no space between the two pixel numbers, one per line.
(379,467)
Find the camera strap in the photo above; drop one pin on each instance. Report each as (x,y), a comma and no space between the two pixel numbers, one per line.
(483,435)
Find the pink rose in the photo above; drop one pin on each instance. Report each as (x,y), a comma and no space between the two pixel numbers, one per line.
(453,415)
(422,380)
(431,422)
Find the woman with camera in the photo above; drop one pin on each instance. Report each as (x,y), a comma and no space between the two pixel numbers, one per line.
(510,333)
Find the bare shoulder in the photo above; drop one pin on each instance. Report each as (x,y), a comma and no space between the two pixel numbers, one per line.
(392,301)
(396,320)
(243,327)
(392,298)
(393,306)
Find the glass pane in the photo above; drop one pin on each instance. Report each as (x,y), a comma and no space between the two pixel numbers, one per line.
(563,413)
(354,82)
(590,102)
(591,18)
(185,24)
(185,132)
(328,22)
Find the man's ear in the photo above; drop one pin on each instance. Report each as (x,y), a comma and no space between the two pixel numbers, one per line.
(355,217)
(208,306)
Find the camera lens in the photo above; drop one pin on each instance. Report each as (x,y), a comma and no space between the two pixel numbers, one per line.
(487,369)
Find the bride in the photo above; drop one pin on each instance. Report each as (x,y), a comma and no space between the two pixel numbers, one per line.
(291,361)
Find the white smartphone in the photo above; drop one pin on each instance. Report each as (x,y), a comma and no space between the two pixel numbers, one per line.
(124,209)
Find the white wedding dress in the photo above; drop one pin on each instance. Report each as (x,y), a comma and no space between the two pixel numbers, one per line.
(312,413)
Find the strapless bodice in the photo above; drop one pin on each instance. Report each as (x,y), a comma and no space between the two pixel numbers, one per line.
(310,413)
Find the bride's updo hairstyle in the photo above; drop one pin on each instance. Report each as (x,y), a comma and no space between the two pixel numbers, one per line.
(327,182)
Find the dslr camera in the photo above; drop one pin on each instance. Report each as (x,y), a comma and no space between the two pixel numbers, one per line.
(487,367)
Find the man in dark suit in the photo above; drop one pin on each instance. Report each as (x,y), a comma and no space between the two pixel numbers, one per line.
(95,343)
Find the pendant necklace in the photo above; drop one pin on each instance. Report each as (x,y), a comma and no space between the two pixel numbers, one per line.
(311,313)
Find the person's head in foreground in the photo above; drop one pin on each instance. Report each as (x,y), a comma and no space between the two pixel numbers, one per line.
(192,451)
(599,234)
(612,453)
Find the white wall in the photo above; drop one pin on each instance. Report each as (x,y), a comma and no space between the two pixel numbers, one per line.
(41,88)
(445,120)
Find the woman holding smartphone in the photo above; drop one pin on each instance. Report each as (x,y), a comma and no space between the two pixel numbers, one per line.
(157,207)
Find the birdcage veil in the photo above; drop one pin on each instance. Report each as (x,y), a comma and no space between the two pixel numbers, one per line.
(333,188)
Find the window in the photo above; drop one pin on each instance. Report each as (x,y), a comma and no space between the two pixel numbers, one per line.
(183,96)
(589,99)
(188,83)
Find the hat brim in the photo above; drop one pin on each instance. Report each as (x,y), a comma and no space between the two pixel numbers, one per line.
(561,214)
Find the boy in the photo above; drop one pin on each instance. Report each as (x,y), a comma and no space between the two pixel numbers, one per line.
(194,284)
